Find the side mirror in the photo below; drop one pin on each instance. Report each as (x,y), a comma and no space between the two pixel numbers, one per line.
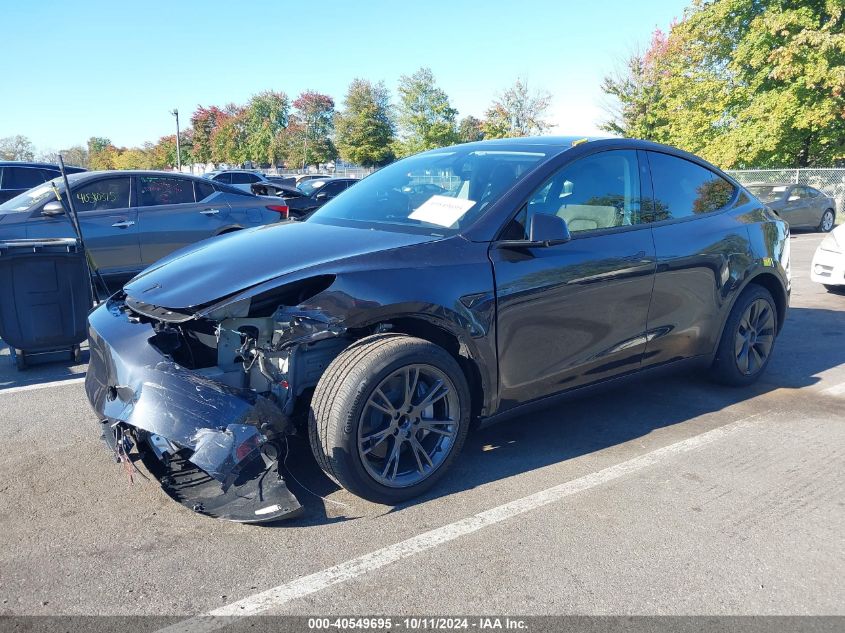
(793,198)
(322,196)
(52,209)
(544,230)
(548,229)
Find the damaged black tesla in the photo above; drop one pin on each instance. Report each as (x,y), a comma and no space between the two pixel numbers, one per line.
(454,287)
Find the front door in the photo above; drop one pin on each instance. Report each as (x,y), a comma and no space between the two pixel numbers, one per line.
(575,313)
(108,222)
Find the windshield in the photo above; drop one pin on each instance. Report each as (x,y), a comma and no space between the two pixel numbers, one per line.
(767,193)
(32,197)
(439,192)
(310,186)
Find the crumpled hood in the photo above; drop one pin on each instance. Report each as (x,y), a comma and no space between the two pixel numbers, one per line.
(219,267)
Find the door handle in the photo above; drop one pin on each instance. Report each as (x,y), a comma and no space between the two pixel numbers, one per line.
(210,211)
(123,224)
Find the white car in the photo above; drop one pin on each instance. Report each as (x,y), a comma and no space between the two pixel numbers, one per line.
(828,266)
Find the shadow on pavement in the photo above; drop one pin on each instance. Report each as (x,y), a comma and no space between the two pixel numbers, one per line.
(581,426)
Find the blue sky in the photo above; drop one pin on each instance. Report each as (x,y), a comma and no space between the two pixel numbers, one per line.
(77,69)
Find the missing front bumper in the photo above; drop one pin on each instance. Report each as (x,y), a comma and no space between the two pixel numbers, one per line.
(223,463)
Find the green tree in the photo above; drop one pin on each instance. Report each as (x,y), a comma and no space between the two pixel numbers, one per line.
(365,128)
(229,139)
(101,153)
(470,129)
(518,111)
(265,116)
(308,137)
(16,147)
(750,83)
(426,119)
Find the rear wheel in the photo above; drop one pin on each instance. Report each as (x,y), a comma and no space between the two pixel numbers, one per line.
(827,221)
(748,338)
(389,416)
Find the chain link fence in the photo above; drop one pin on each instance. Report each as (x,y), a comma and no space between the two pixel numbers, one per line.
(829,180)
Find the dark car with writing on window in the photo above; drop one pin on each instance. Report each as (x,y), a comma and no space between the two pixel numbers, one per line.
(16,177)
(131,219)
(387,322)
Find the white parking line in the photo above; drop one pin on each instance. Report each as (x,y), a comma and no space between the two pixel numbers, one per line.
(42,385)
(287,592)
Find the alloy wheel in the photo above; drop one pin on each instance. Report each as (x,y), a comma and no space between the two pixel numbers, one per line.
(827,221)
(755,337)
(408,426)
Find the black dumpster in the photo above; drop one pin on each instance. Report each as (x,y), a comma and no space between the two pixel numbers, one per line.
(45,296)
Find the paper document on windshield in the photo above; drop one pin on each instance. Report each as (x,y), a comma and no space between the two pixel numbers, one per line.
(442,210)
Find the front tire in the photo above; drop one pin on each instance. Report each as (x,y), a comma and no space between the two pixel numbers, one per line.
(827,221)
(389,416)
(748,339)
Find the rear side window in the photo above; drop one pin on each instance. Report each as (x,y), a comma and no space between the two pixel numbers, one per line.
(203,190)
(244,179)
(22,178)
(683,189)
(156,191)
(111,193)
(224,178)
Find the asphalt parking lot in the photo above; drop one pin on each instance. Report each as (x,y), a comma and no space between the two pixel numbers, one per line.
(668,496)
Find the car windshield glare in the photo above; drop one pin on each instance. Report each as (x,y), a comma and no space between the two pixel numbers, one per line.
(767,193)
(310,186)
(438,192)
(32,197)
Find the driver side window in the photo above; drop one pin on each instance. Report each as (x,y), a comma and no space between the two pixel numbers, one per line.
(597,192)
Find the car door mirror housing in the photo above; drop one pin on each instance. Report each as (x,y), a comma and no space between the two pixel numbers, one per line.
(322,196)
(53,208)
(793,198)
(544,230)
(548,229)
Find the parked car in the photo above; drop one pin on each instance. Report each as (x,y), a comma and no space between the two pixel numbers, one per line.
(381,327)
(310,195)
(800,205)
(242,179)
(131,219)
(828,266)
(17,176)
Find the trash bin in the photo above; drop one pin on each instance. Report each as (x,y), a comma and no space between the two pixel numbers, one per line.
(45,296)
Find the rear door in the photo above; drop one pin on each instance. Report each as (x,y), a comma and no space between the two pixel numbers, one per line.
(174,211)
(698,245)
(108,222)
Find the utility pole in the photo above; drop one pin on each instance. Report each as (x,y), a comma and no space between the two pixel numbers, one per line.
(305,145)
(175,113)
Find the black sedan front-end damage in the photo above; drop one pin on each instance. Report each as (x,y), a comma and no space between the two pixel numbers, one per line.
(213,446)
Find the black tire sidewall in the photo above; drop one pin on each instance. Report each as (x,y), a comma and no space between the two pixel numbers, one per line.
(366,376)
(725,369)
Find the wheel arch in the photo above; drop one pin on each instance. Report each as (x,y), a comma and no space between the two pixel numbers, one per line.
(440,335)
(770,282)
